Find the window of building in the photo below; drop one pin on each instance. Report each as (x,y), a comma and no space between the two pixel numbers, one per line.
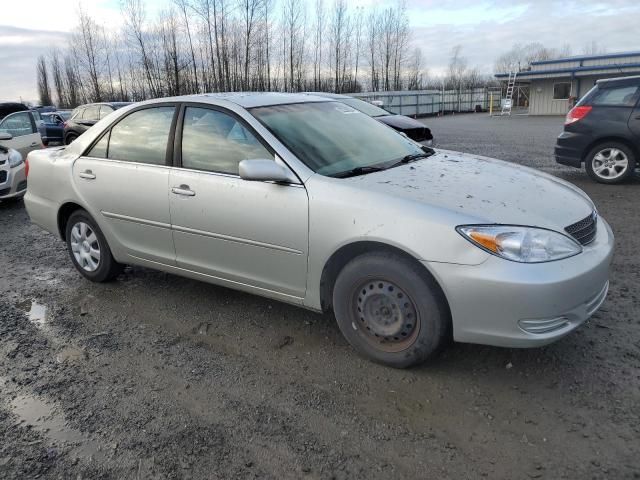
(561,91)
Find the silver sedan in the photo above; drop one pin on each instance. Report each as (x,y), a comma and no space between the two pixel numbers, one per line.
(308,201)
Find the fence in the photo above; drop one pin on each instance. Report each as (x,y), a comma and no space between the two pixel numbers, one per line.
(432,102)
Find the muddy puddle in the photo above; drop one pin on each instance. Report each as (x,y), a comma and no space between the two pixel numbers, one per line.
(44,418)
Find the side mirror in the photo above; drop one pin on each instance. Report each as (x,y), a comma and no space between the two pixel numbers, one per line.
(5,136)
(264,171)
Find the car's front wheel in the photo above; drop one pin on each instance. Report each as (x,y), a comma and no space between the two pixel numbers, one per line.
(390,310)
(70,138)
(610,162)
(89,250)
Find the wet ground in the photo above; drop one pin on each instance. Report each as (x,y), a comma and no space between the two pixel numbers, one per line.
(156,376)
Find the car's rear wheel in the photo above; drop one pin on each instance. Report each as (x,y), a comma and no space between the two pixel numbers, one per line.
(610,162)
(89,250)
(390,310)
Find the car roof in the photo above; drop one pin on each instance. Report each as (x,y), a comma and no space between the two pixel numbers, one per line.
(635,80)
(327,95)
(245,99)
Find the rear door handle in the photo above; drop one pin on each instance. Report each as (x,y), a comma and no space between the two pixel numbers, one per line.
(34,144)
(87,175)
(183,190)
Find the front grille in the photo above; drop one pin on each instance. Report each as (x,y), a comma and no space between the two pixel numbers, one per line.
(5,191)
(3,176)
(585,230)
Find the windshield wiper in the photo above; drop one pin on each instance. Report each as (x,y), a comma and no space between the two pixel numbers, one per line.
(417,156)
(354,172)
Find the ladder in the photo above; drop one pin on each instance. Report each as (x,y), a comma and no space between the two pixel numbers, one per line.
(508,101)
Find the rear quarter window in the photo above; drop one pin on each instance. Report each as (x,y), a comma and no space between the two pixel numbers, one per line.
(617,97)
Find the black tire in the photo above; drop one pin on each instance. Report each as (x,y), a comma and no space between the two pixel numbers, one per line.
(70,138)
(107,268)
(591,163)
(391,310)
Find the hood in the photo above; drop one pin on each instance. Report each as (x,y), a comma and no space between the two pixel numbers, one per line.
(400,122)
(483,190)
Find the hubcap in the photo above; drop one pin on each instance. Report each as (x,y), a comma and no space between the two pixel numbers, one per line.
(610,163)
(85,247)
(386,315)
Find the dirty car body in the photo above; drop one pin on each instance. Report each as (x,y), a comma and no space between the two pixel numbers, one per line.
(277,195)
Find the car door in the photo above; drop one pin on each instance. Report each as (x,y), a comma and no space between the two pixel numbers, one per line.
(124,178)
(22,127)
(634,122)
(251,234)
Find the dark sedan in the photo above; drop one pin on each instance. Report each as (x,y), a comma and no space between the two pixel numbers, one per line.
(86,116)
(603,131)
(412,128)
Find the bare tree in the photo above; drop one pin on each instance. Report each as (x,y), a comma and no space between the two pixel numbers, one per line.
(184,6)
(58,79)
(88,44)
(44,89)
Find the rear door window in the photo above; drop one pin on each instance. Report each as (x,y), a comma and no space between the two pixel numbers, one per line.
(91,113)
(142,136)
(105,110)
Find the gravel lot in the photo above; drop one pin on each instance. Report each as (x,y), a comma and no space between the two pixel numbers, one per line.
(156,376)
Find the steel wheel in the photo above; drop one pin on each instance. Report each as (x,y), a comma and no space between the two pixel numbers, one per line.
(388,316)
(610,164)
(85,246)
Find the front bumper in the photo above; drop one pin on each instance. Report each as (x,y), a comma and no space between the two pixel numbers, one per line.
(13,182)
(510,304)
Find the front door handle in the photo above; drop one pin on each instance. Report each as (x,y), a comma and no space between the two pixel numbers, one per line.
(87,175)
(34,144)
(183,190)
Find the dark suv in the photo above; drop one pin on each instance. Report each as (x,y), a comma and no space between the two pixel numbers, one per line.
(603,131)
(86,116)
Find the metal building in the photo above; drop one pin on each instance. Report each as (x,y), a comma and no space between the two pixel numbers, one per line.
(553,86)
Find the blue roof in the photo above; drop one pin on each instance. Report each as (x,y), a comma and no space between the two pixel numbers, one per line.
(588,57)
(572,70)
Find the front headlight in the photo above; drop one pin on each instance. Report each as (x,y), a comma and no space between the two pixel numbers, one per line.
(15,158)
(521,244)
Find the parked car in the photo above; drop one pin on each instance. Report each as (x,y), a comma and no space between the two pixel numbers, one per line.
(13,180)
(603,131)
(306,200)
(7,108)
(21,131)
(52,128)
(86,116)
(414,129)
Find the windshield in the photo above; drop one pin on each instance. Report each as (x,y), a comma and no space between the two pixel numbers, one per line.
(331,138)
(364,107)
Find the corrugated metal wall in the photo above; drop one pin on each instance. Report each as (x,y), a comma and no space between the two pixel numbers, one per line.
(542,102)
(430,102)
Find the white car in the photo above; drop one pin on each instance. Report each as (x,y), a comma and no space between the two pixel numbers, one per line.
(20,131)
(13,178)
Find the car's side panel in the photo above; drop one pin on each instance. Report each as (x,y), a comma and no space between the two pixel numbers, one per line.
(132,199)
(254,233)
(634,125)
(376,218)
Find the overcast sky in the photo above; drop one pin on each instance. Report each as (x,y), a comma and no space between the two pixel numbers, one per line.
(485,29)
